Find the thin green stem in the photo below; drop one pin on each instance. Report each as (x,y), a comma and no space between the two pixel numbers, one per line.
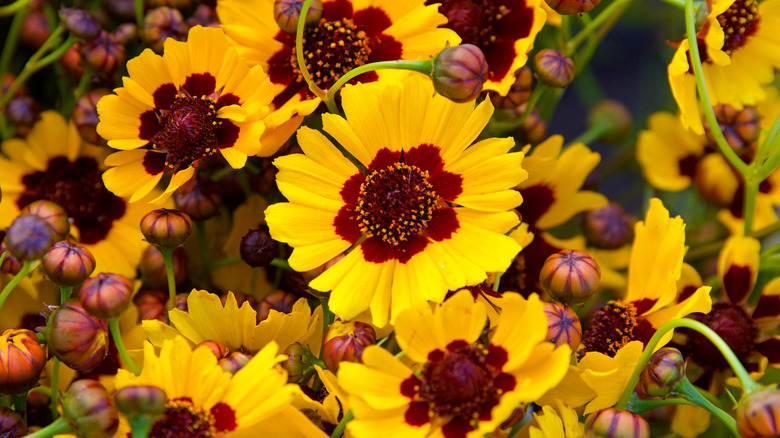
(339,430)
(593,133)
(677,3)
(769,146)
(116,335)
(203,248)
(749,206)
(140,428)
(694,396)
(57,427)
(12,40)
(424,67)
(709,114)
(55,391)
(614,8)
(530,105)
(65,292)
(299,52)
(700,252)
(327,320)
(497,282)
(281,264)
(81,89)
(27,267)
(167,254)
(139,16)
(13,8)
(226,262)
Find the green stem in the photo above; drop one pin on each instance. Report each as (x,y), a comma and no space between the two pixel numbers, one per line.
(20,404)
(12,40)
(57,427)
(65,292)
(14,7)
(140,427)
(749,206)
(694,396)
(530,105)
(424,67)
(700,252)
(116,335)
(226,262)
(693,49)
(27,267)
(139,17)
(593,133)
(281,264)
(299,52)
(55,391)
(769,146)
(81,89)
(339,430)
(327,320)
(678,3)
(167,254)
(205,263)
(614,8)
(497,282)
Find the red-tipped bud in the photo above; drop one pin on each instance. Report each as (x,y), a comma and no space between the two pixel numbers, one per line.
(571,7)
(234,362)
(287,12)
(758,414)
(106,296)
(67,264)
(519,92)
(88,407)
(280,301)
(257,248)
(85,115)
(53,214)
(570,276)
(460,72)
(612,423)
(201,202)
(23,112)
(345,341)
(77,338)
(21,361)
(615,118)
(608,227)
(141,405)
(553,68)
(217,348)
(163,23)
(151,304)
(11,424)
(28,238)
(80,23)
(663,371)
(297,361)
(104,54)
(563,325)
(166,228)
(152,267)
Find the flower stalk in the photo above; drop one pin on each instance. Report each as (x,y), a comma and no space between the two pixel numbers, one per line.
(339,430)
(116,335)
(27,267)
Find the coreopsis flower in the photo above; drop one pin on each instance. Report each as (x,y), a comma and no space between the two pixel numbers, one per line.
(738,51)
(463,387)
(53,163)
(429,215)
(198,99)
(350,33)
(562,421)
(208,401)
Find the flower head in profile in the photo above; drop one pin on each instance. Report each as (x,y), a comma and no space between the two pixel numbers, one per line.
(196,100)
(465,387)
(422,212)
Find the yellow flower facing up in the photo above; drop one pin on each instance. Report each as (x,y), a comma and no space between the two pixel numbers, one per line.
(463,387)
(561,422)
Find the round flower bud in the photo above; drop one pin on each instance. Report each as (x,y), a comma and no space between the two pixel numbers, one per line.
(11,265)
(234,362)
(519,92)
(758,414)
(612,423)
(23,112)
(67,264)
(53,214)
(106,296)
(35,30)
(663,371)
(345,341)
(104,54)
(257,248)
(11,424)
(85,115)
(570,276)
(280,301)
(28,238)
(608,227)
(216,347)
(71,62)
(80,23)
(286,13)
(563,325)
(533,130)
(740,127)
(21,361)
(163,23)
(152,267)
(166,228)
(151,304)
(87,407)
(77,338)
(297,361)
(553,69)
(141,405)
(459,72)
(201,202)
(125,33)
(571,7)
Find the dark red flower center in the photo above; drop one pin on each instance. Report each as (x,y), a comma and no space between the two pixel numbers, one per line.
(331,50)
(734,325)
(182,419)
(739,22)
(395,203)
(474,20)
(611,328)
(188,131)
(77,186)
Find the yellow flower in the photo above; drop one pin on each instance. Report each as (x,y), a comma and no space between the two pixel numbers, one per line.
(198,99)
(561,423)
(429,214)
(463,388)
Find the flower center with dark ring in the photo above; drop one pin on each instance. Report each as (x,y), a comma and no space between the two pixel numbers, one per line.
(734,325)
(182,419)
(611,328)
(189,131)
(739,22)
(474,20)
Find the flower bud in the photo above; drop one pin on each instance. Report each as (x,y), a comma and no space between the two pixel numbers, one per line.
(166,228)
(740,127)
(519,92)
(23,112)
(141,405)
(87,407)
(345,341)
(71,62)
(11,265)
(35,30)
(201,202)
(570,276)
(280,301)
(152,267)
(533,130)
(553,68)
(77,338)
(38,409)
(563,325)
(286,13)
(28,238)
(663,371)
(151,304)
(615,117)
(124,10)
(217,348)
(571,7)
(459,72)
(80,23)
(53,214)
(608,227)
(125,33)
(104,54)
(758,414)
(11,424)
(297,361)
(106,296)
(67,264)
(205,16)
(181,301)
(734,325)
(612,423)
(234,362)
(85,115)
(257,248)
(21,361)
(163,23)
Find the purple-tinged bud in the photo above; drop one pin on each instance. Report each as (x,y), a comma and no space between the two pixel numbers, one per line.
(125,33)
(740,127)
(280,301)
(570,276)
(11,424)
(53,214)
(459,72)
(346,341)
(519,92)
(201,202)
(80,23)
(141,405)
(234,362)
(533,130)
(608,227)
(152,267)
(612,423)
(758,414)
(297,361)
(77,338)
(615,117)
(151,304)
(217,348)
(23,112)
(106,296)
(166,228)
(287,12)
(28,238)
(67,264)
(163,23)
(563,325)
(35,30)
(21,361)
(571,7)
(553,68)
(88,408)
(104,54)
(205,16)
(85,115)
(662,373)
(257,248)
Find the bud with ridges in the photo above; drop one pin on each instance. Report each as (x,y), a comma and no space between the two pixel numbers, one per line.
(287,12)
(21,361)
(346,341)
(201,201)
(234,362)
(11,424)
(460,72)
(88,408)
(11,265)
(28,238)
(150,304)
(758,414)
(80,23)
(740,128)
(298,361)
(142,406)
(68,264)
(563,325)
(106,296)
(152,267)
(166,228)
(162,23)
(608,227)
(614,423)
(553,68)
(519,92)
(257,249)
(570,276)
(571,7)
(53,214)
(77,338)
(662,373)
(104,54)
